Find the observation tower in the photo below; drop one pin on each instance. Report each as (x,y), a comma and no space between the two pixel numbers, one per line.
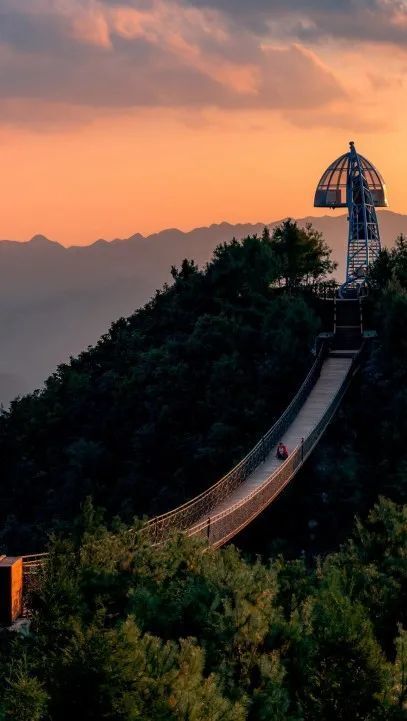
(354,183)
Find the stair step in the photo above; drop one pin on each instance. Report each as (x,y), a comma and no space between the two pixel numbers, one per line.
(343,353)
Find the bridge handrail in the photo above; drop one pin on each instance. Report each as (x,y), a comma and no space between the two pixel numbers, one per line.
(184,516)
(34,560)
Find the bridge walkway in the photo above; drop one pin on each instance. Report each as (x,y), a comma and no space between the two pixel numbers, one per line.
(333,375)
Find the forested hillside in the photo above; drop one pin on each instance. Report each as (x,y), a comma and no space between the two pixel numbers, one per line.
(163,403)
(124,631)
(170,397)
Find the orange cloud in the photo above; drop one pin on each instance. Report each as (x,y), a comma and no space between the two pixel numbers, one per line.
(181,30)
(165,54)
(91,26)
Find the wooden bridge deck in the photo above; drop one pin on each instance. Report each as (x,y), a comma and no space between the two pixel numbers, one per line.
(333,375)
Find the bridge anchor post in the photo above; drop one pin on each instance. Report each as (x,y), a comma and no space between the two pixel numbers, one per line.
(11,589)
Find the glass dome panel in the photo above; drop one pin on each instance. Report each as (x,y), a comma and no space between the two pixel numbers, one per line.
(331,190)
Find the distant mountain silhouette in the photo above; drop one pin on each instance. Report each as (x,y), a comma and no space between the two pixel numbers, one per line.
(55,301)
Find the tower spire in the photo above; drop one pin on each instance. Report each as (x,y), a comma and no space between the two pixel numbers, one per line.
(364,235)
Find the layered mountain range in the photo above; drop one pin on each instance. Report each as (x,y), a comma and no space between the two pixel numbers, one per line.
(55,301)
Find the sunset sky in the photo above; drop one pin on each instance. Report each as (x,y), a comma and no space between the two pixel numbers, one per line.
(120,117)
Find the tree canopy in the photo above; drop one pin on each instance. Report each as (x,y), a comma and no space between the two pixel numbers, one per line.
(121,630)
(303,254)
(391,265)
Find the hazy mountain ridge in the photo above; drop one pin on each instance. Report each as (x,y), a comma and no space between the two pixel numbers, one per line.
(56,300)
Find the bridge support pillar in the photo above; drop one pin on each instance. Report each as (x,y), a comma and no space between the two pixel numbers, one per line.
(11,589)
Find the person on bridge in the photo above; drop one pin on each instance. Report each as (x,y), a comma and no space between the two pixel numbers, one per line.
(282,452)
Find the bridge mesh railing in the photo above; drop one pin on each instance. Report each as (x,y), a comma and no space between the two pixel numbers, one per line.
(32,566)
(185,516)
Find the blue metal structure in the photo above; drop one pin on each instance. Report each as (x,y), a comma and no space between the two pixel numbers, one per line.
(353,182)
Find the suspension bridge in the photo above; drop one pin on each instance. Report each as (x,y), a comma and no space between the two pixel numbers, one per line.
(221,512)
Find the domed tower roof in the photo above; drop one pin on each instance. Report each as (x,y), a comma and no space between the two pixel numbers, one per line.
(332,188)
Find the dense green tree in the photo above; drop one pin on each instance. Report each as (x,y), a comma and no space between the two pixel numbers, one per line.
(381,273)
(377,556)
(391,265)
(400,671)
(303,254)
(24,696)
(124,631)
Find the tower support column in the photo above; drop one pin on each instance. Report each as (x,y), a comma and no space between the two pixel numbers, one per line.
(364,235)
